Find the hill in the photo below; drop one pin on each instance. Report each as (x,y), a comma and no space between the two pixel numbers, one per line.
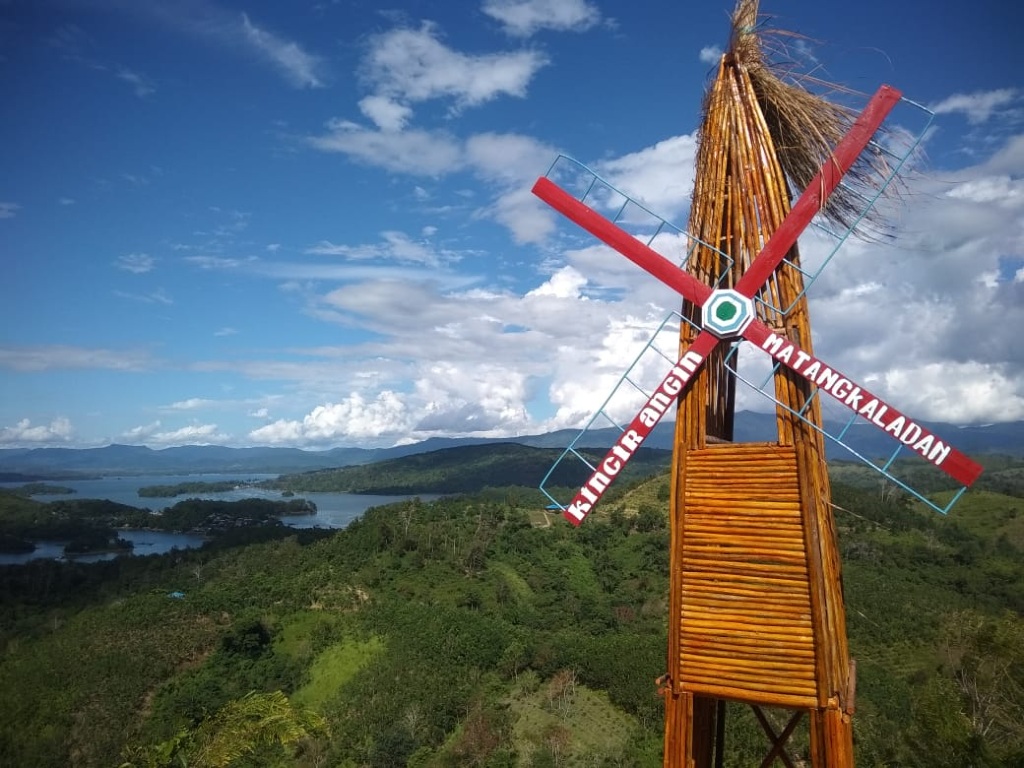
(466,469)
(479,630)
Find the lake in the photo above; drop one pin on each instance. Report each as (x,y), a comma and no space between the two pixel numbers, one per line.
(334,510)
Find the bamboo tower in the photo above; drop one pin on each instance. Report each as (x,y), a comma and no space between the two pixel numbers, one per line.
(756,605)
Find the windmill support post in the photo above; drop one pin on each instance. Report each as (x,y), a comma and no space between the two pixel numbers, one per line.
(756,611)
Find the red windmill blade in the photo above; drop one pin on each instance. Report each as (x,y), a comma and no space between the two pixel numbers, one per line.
(729,313)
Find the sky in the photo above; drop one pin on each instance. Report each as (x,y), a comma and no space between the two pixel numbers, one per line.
(309,224)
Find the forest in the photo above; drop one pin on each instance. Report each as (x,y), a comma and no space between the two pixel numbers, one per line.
(481,630)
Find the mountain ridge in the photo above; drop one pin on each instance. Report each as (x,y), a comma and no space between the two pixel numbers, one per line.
(21,464)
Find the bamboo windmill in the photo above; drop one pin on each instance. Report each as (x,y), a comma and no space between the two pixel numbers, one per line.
(756,609)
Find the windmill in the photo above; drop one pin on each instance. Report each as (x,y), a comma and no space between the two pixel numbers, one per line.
(756,609)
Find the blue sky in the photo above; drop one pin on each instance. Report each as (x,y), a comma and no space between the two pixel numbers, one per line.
(309,223)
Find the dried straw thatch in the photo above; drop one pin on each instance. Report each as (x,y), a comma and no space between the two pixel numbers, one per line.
(802,115)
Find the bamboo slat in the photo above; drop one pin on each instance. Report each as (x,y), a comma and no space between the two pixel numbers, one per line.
(724,690)
(744,613)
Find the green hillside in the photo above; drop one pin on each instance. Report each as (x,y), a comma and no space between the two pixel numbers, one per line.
(465,469)
(480,631)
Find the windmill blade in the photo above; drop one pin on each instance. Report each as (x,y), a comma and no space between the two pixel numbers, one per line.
(773,254)
(806,207)
(670,388)
(864,403)
(608,232)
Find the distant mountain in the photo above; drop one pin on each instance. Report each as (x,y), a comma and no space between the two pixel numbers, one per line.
(22,464)
(190,459)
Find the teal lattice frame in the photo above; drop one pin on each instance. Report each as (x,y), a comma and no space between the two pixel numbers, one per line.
(843,435)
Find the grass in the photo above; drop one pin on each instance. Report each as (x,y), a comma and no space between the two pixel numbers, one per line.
(333,668)
(516,583)
(990,515)
(597,727)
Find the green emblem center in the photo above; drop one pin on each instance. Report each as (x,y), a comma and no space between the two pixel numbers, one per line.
(726,311)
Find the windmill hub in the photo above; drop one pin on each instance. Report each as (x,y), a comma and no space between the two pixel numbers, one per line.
(727,313)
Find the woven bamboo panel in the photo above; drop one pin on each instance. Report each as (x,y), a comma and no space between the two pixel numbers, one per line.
(745,627)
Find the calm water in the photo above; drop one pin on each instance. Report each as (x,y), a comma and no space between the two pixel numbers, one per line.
(334,510)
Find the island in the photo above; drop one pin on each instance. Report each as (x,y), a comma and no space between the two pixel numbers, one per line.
(42,489)
(90,526)
(182,489)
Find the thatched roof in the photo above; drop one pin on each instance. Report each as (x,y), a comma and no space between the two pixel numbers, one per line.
(801,111)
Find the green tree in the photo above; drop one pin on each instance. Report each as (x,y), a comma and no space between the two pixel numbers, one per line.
(256,724)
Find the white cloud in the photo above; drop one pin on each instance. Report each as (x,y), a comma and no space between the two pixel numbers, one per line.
(386,113)
(191,404)
(219,262)
(141,84)
(415,152)
(513,162)
(710,54)
(396,246)
(156,297)
(977,107)
(508,157)
(193,434)
(466,398)
(962,392)
(931,320)
(523,18)
(23,433)
(1001,191)
(525,217)
(9,210)
(564,284)
(660,177)
(298,66)
(65,357)
(137,263)
(354,418)
(414,65)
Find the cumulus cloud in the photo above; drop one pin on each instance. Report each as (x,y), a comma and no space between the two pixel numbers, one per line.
(462,398)
(193,434)
(977,107)
(386,113)
(710,54)
(354,418)
(413,65)
(566,283)
(512,162)
(24,434)
(660,176)
(931,319)
(523,18)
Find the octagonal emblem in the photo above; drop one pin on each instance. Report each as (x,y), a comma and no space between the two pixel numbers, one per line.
(727,313)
